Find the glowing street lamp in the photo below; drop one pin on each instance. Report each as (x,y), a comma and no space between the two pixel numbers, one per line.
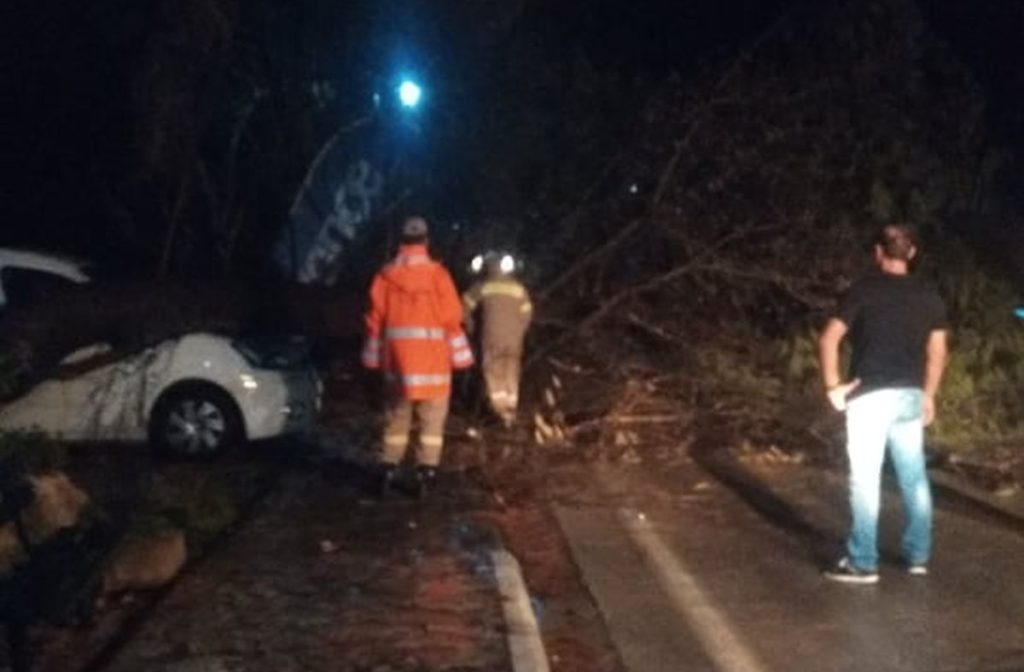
(409,93)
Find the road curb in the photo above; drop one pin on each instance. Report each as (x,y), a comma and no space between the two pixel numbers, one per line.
(726,468)
(1009,509)
(524,641)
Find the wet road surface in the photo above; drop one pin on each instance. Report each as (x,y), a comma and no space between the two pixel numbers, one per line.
(320,580)
(693,575)
(710,566)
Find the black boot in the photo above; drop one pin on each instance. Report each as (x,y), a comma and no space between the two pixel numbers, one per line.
(386,481)
(426,478)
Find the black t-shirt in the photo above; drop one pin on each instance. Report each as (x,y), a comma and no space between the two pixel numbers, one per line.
(890,318)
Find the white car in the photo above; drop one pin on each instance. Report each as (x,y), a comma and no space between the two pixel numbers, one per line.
(195,394)
(25,270)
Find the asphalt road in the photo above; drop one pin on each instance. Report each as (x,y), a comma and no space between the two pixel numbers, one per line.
(647,568)
(696,573)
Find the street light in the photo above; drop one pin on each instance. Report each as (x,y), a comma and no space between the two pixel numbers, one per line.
(409,93)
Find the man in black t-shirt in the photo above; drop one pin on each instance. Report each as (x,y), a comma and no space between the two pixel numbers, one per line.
(897,328)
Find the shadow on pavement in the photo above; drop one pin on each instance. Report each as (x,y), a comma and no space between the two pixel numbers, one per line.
(820,547)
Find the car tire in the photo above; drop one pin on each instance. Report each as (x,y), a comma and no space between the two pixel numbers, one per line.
(195,420)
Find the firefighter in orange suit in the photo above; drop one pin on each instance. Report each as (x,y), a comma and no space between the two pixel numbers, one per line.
(414,336)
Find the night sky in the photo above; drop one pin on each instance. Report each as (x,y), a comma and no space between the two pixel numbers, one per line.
(69,67)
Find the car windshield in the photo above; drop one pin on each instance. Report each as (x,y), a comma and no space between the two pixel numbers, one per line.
(274,352)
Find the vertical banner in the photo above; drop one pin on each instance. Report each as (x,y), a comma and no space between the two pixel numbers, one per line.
(334,203)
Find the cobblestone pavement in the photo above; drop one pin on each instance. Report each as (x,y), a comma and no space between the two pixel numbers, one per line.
(321,580)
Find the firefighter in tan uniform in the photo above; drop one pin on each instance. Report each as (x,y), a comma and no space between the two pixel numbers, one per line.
(414,336)
(504,309)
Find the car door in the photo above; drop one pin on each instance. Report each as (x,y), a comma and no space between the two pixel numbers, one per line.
(104,394)
(93,395)
(41,409)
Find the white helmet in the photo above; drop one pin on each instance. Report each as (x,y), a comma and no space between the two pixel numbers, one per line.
(496,262)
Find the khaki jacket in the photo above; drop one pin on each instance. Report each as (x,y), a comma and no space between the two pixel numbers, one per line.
(505,312)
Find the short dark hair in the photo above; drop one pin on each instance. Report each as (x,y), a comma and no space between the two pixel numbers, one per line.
(414,240)
(897,241)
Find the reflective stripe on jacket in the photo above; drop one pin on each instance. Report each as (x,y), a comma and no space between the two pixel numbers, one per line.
(413,326)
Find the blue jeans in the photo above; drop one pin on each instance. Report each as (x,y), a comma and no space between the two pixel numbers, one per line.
(889,417)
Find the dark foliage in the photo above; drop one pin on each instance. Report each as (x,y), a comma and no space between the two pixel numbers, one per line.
(720,236)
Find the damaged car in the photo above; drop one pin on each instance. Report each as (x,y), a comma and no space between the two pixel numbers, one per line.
(194,395)
(26,276)
(191,394)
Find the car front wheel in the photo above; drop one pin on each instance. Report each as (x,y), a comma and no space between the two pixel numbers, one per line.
(195,421)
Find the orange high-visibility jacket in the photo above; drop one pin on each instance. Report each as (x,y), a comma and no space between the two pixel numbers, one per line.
(413,326)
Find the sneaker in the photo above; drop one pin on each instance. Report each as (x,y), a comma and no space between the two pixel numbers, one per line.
(845,572)
(917,570)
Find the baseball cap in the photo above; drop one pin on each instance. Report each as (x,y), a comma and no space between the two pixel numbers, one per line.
(414,227)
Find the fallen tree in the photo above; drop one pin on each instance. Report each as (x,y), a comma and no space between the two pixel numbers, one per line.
(744,206)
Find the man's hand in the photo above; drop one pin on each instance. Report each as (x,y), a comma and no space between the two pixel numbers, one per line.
(837,394)
(828,354)
(928,409)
